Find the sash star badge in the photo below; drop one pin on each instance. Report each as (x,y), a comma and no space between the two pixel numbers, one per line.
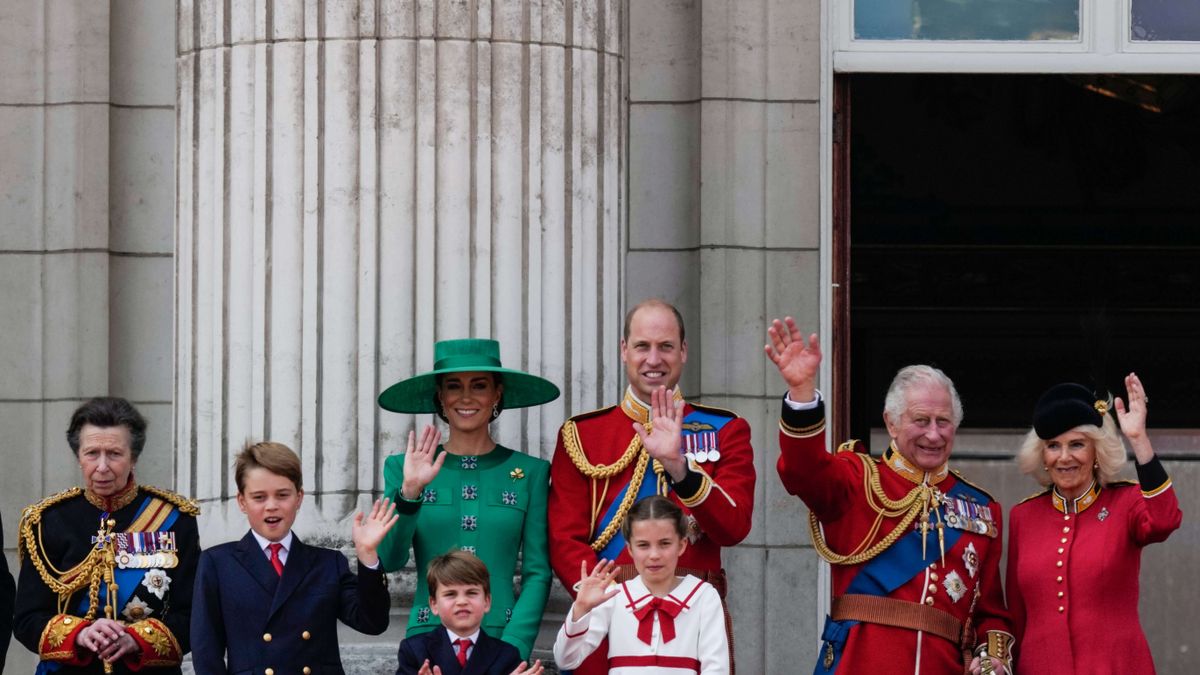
(954,586)
(157,582)
(971,559)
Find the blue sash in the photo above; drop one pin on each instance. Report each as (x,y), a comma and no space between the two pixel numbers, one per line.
(888,571)
(701,422)
(127,579)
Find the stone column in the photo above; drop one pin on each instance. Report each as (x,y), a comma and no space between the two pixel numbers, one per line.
(724,117)
(86,145)
(359,179)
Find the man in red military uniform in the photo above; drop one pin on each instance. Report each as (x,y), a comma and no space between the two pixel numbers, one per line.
(915,549)
(651,443)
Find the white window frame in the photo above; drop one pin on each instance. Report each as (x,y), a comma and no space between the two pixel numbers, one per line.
(1103,46)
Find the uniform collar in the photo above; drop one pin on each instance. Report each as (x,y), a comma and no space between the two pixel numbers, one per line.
(116,502)
(638,411)
(900,464)
(1080,503)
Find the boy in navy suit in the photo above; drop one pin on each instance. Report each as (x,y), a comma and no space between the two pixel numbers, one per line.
(269,603)
(460,593)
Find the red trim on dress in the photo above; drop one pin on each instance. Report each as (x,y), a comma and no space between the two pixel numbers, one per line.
(684,662)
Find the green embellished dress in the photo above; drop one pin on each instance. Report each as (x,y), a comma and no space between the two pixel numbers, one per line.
(492,505)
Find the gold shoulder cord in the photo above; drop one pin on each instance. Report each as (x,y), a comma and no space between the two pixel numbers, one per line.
(185,505)
(596,472)
(909,506)
(96,567)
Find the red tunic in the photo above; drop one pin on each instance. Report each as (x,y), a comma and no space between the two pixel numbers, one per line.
(832,486)
(721,500)
(1090,553)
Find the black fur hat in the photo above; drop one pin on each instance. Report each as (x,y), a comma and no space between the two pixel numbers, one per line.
(1066,406)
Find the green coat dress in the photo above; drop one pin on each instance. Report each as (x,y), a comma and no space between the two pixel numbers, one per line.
(493,505)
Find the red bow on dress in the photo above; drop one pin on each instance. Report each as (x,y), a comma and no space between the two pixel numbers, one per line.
(666,609)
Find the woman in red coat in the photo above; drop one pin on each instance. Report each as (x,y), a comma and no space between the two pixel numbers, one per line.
(1075,550)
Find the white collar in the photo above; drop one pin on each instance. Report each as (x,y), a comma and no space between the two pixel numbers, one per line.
(263,542)
(452,636)
(639,595)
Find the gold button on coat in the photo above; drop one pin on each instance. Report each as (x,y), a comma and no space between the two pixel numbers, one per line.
(929,601)
(306,635)
(933,575)
(933,588)
(1061,609)
(269,671)
(1060,594)
(307,670)
(1066,530)
(1058,564)
(266,637)
(1059,580)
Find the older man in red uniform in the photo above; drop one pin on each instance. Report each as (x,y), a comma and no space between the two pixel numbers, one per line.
(653,442)
(915,549)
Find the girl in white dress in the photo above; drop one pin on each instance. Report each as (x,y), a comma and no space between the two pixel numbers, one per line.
(656,623)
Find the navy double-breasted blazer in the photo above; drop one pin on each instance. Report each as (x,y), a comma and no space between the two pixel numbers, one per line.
(489,656)
(246,618)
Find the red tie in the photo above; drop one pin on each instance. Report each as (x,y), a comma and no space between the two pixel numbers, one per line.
(275,561)
(462,651)
(666,610)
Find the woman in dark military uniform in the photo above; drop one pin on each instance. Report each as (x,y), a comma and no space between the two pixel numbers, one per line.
(107,568)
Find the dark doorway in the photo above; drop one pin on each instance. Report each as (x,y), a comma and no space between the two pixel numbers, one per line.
(1018,231)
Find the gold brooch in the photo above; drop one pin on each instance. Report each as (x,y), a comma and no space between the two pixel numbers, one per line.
(1101,407)
(516,474)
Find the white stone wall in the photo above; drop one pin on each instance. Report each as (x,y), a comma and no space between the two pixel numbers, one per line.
(359,179)
(724,161)
(86,235)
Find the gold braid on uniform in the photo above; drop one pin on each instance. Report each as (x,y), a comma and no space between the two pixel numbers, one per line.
(96,567)
(571,443)
(918,500)
(185,505)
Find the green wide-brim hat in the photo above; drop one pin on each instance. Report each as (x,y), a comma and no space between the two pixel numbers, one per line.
(416,394)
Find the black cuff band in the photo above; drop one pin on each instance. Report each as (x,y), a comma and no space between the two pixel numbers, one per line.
(1151,475)
(405,507)
(689,486)
(802,419)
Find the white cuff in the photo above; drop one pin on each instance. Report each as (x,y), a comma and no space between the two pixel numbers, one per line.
(803,406)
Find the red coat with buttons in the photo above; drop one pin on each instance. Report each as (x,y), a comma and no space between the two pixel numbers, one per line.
(722,507)
(832,486)
(1073,578)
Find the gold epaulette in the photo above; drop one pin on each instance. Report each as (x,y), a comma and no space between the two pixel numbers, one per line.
(850,446)
(724,412)
(590,413)
(185,505)
(32,515)
(1035,496)
(960,477)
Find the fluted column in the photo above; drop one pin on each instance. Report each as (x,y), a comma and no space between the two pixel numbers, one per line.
(359,179)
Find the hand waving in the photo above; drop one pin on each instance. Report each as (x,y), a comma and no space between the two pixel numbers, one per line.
(594,589)
(368,531)
(1133,418)
(665,437)
(796,361)
(420,467)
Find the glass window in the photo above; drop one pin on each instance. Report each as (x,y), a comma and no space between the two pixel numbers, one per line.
(1165,20)
(969,19)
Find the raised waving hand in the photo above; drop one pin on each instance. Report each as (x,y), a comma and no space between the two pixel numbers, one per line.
(797,362)
(420,466)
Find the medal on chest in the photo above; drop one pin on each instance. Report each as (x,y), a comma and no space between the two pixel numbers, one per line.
(146,550)
(964,514)
(700,442)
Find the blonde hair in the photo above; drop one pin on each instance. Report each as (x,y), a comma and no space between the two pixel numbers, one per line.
(1110,452)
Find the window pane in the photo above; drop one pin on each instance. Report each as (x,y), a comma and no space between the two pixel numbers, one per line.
(1165,20)
(967,19)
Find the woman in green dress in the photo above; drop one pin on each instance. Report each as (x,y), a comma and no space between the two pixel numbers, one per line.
(470,493)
